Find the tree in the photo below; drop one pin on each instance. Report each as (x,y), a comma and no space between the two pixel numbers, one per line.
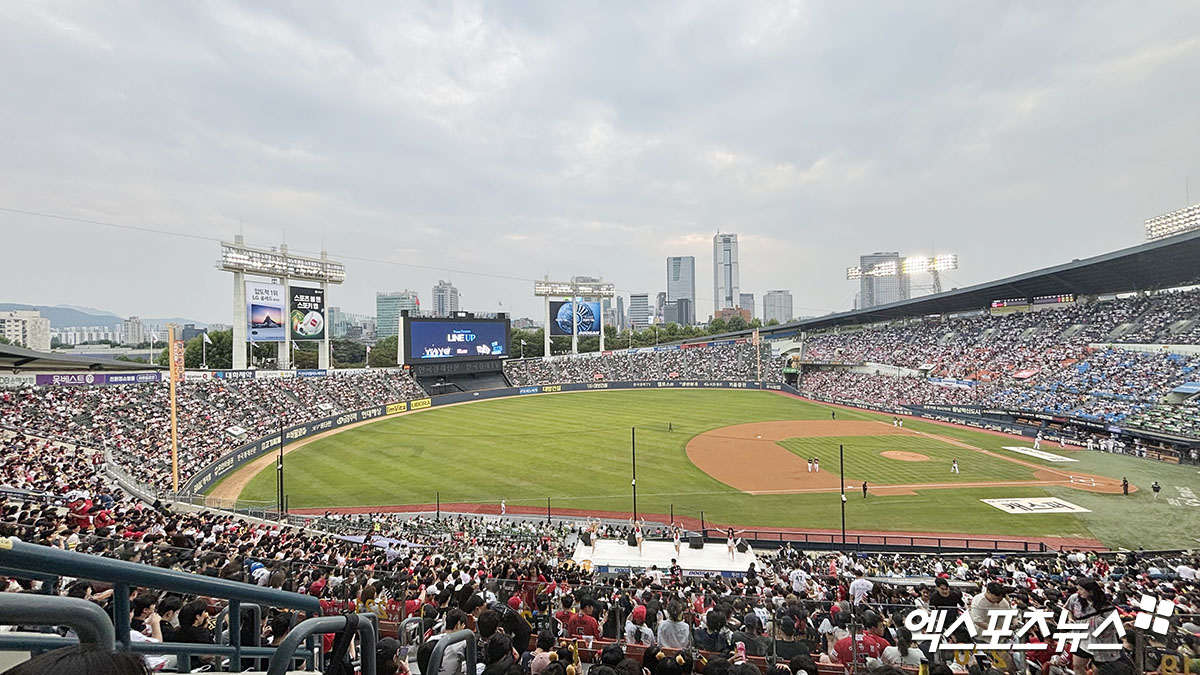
(219,354)
(534,342)
(736,322)
(717,325)
(305,358)
(383,353)
(773,322)
(348,353)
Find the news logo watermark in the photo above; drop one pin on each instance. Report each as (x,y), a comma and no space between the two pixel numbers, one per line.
(1010,629)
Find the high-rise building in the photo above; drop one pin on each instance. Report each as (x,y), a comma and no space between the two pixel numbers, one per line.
(777,305)
(387,311)
(1175,222)
(746,301)
(725,272)
(660,307)
(133,331)
(445,299)
(875,290)
(685,310)
(639,311)
(622,319)
(681,285)
(27,328)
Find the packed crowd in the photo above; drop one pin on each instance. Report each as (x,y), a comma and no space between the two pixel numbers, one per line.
(510,580)
(214,416)
(1039,362)
(723,362)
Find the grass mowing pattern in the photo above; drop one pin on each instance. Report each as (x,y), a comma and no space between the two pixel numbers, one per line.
(574,448)
(864,462)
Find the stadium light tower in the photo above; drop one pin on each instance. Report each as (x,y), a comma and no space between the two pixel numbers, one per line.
(932,265)
(280,267)
(576,291)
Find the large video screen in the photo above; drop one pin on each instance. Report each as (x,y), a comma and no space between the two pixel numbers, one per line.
(431,340)
(587,314)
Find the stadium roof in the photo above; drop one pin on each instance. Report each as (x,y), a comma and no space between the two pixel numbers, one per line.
(18,358)
(1166,263)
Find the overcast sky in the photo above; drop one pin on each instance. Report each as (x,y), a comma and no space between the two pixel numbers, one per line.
(522,139)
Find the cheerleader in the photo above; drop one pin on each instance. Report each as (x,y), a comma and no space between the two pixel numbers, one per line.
(731,541)
(593,528)
(637,533)
(677,539)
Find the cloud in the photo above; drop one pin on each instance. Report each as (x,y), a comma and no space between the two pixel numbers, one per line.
(531,138)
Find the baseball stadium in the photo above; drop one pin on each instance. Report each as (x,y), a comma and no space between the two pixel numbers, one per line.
(1008,430)
(599,338)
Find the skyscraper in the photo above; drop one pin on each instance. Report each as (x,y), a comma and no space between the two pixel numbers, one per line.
(660,307)
(746,301)
(777,305)
(621,317)
(387,311)
(639,311)
(445,298)
(725,272)
(877,290)
(681,285)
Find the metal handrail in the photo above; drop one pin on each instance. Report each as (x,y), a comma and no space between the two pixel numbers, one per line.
(20,556)
(286,650)
(88,621)
(435,659)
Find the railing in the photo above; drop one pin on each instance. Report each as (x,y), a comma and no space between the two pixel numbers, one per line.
(305,630)
(465,636)
(24,560)
(882,542)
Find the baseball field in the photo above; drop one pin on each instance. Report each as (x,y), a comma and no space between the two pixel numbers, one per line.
(737,458)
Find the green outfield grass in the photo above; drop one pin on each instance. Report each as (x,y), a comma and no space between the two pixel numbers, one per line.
(575,449)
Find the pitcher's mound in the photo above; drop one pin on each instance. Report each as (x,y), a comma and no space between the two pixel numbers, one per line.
(904,456)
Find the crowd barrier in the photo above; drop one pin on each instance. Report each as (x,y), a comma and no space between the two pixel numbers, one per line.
(222,466)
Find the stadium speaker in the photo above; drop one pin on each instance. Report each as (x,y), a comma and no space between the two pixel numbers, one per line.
(695,541)
(742,547)
(586,538)
(632,540)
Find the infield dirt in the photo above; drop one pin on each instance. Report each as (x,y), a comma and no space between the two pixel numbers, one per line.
(749,458)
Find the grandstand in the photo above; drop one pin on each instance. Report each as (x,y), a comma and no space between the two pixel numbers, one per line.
(1111,363)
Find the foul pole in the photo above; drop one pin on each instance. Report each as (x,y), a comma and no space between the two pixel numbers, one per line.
(175,356)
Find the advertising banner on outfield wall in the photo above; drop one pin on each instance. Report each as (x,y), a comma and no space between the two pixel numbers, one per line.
(88,379)
(17,380)
(587,313)
(265,312)
(308,313)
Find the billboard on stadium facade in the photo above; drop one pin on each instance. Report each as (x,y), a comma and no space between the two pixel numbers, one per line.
(308,313)
(587,313)
(265,312)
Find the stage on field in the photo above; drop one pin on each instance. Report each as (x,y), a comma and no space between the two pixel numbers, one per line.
(614,556)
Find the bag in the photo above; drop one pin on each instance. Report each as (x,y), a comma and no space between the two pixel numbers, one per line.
(338,661)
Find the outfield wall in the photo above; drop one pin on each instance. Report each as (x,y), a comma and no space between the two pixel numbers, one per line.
(207,477)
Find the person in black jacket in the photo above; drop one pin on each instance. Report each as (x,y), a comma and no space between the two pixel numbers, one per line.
(193,628)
